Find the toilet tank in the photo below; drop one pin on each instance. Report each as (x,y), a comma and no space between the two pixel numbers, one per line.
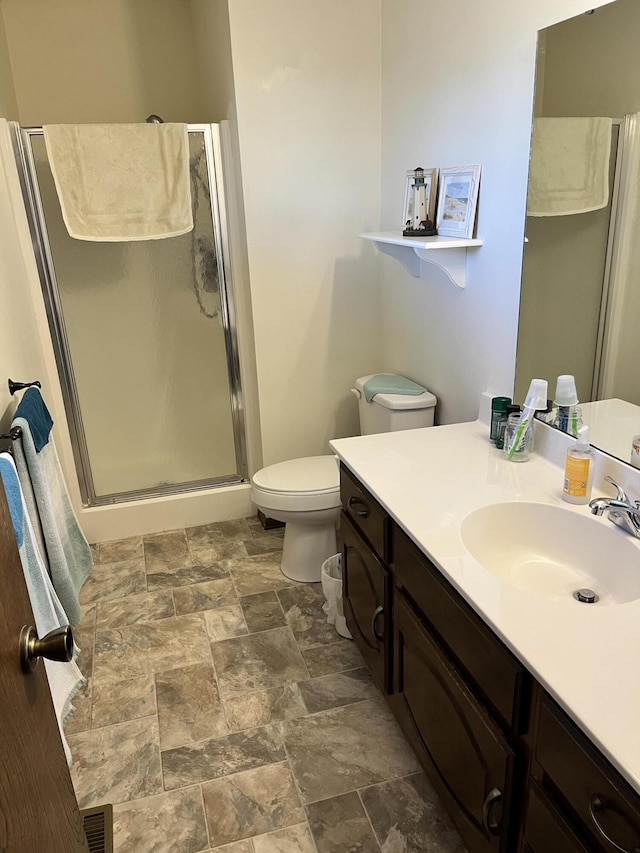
(393,412)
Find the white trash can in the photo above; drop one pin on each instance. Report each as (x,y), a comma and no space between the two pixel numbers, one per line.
(332,588)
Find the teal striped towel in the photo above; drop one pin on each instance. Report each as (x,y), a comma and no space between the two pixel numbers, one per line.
(61,542)
(389,383)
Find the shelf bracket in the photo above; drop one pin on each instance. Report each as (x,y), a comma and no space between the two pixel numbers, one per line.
(409,260)
(455,267)
(447,254)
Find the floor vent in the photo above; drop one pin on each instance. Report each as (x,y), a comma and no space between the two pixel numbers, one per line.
(98,827)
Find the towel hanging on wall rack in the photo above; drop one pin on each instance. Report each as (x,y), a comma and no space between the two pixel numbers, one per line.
(16,431)
(56,528)
(14,434)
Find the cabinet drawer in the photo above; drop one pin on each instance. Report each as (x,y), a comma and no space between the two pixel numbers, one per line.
(607,807)
(498,677)
(367,594)
(463,751)
(365,512)
(545,830)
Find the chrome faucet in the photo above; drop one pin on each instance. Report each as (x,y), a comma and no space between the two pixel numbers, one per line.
(621,511)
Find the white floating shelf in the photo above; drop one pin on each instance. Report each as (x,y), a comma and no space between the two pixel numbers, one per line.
(411,250)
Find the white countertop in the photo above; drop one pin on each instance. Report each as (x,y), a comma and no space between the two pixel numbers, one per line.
(586,656)
(612,425)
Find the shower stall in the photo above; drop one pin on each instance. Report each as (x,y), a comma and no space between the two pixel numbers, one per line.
(145,339)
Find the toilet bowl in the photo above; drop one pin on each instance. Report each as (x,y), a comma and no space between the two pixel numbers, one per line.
(305,495)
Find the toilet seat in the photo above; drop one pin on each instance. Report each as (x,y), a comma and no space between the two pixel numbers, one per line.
(302,485)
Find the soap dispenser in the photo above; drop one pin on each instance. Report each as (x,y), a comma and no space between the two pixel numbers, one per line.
(578,470)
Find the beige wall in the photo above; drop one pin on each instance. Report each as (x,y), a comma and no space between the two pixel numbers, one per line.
(213,61)
(592,67)
(308,100)
(475,108)
(8,103)
(25,349)
(101,61)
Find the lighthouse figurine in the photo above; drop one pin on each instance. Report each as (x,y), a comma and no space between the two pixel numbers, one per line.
(418,224)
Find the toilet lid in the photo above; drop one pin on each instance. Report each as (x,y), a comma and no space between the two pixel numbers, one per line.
(310,474)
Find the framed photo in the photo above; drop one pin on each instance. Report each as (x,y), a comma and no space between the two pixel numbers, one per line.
(425,194)
(458,200)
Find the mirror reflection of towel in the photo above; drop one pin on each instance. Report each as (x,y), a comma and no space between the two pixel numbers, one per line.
(121,182)
(569,166)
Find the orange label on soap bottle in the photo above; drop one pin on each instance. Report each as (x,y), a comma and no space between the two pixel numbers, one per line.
(576,477)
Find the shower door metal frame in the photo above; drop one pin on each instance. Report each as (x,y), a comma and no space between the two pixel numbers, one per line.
(21,138)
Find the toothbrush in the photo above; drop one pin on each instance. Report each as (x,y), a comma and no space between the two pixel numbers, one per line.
(536,399)
(525,420)
(573,423)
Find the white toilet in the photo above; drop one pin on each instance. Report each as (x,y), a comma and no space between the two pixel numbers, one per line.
(305,493)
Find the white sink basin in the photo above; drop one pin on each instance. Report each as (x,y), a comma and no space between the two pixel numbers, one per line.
(551,551)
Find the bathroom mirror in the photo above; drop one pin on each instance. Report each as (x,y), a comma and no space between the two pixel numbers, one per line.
(580,297)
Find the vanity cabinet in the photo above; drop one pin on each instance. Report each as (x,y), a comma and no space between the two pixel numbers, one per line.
(496,676)
(513,770)
(580,786)
(546,831)
(366,594)
(468,759)
(457,696)
(364,529)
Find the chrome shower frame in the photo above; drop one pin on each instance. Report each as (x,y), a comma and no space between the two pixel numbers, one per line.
(21,138)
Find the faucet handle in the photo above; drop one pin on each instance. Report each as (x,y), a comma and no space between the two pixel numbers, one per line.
(622,495)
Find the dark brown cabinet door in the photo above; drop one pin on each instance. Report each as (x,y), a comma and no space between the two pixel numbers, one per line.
(591,791)
(545,830)
(463,751)
(366,602)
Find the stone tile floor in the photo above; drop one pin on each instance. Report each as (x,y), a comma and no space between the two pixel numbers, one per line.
(221,711)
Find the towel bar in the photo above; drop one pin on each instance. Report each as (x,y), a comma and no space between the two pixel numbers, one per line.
(13,434)
(18,386)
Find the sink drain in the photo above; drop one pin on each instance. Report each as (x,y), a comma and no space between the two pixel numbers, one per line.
(586,596)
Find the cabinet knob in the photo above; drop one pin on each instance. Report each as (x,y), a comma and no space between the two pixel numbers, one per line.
(598,804)
(493,797)
(358,507)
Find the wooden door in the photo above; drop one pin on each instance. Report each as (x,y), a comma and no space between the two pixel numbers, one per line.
(366,602)
(463,751)
(38,808)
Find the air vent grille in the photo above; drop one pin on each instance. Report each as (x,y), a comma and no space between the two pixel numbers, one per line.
(98,828)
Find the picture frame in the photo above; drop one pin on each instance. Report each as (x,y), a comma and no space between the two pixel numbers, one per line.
(458,201)
(431,186)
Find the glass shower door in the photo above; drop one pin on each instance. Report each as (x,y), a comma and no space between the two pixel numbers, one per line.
(145,343)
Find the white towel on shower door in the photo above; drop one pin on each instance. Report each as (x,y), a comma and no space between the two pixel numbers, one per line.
(569,166)
(121,182)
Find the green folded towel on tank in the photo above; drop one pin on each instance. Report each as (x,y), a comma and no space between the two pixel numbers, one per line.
(389,383)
